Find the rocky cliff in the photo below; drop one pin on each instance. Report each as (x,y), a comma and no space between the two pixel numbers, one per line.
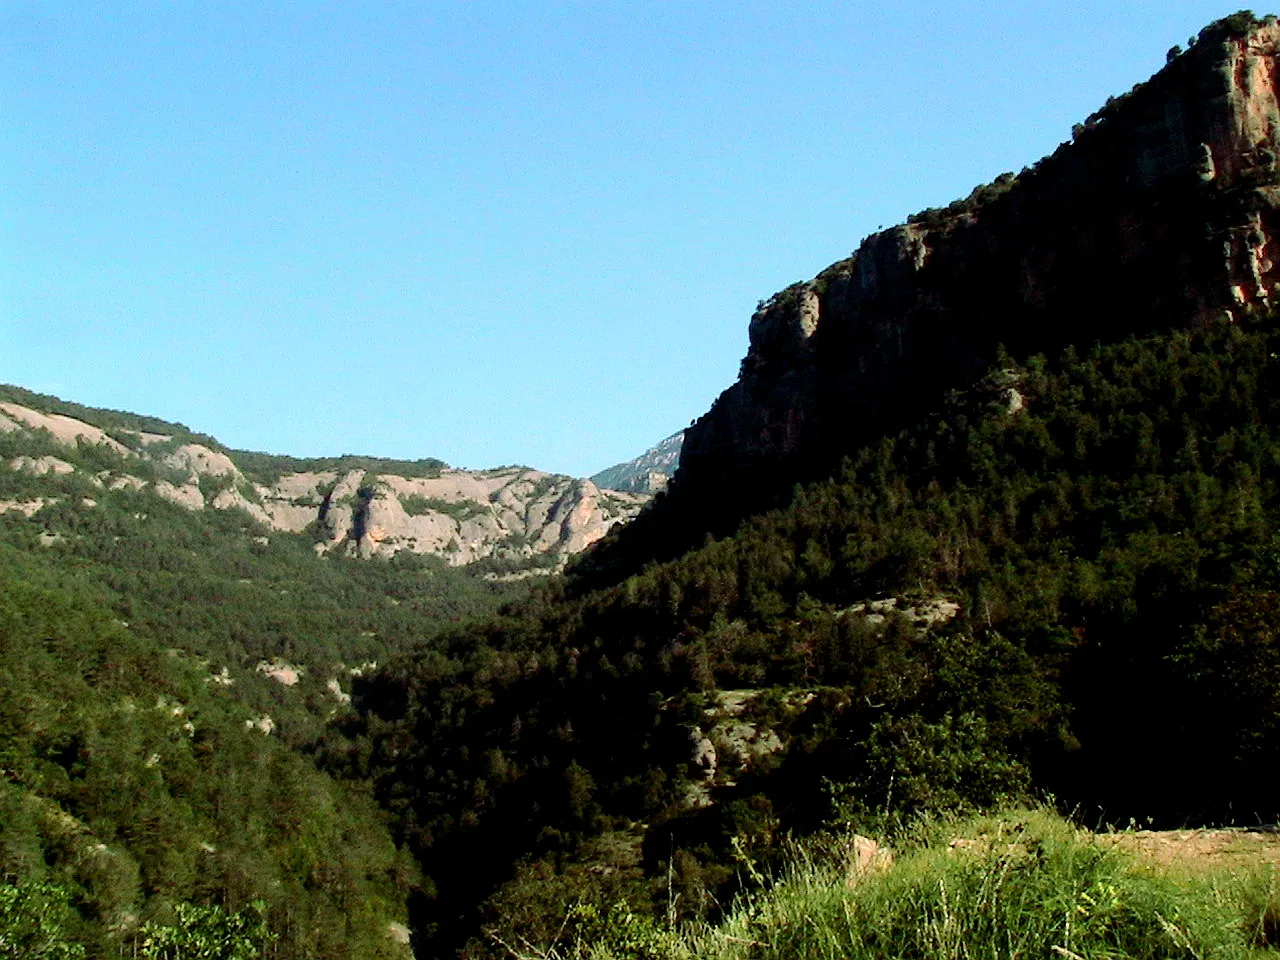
(1163,210)
(511,513)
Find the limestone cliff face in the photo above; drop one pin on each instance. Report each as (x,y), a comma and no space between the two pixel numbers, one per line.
(512,513)
(463,515)
(1163,211)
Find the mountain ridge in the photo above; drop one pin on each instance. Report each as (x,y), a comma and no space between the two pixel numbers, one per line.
(647,473)
(360,505)
(1164,210)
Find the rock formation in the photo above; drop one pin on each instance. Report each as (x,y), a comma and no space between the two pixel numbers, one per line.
(512,513)
(1163,211)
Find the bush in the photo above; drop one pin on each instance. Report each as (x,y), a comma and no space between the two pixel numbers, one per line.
(416,505)
(208,933)
(36,920)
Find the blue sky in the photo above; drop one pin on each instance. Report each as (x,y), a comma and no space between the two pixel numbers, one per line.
(487,232)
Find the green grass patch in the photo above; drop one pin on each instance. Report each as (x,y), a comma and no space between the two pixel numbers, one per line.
(1025,884)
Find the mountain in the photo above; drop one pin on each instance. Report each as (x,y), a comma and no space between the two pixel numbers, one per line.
(1004,524)
(647,473)
(993,512)
(181,624)
(354,505)
(1163,211)
(1070,594)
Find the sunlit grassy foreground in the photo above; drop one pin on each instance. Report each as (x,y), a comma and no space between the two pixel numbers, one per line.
(1026,884)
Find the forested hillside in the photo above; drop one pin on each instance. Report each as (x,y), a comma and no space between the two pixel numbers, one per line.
(1061,583)
(134,787)
(166,675)
(953,573)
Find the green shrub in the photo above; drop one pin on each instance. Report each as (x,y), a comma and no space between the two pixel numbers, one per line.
(36,919)
(1229,27)
(615,932)
(458,510)
(208,933)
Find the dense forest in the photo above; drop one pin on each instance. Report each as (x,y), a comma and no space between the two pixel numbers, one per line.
(1062,584)
(166,677)
(132,790)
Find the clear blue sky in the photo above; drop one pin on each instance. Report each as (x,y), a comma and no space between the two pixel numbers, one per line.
(487,232)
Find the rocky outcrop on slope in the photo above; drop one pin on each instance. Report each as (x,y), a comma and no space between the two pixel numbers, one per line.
(512,513)
(62,428)
(1163,211)
(466,515)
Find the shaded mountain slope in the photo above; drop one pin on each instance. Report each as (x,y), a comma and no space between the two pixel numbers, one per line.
(1055,576)
(1070,593)
(1163,211)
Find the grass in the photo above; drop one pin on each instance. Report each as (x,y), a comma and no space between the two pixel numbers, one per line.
(1026,884)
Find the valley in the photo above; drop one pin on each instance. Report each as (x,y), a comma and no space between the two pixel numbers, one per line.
(981,549)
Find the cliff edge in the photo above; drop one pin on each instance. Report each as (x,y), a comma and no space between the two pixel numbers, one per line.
(1163,211)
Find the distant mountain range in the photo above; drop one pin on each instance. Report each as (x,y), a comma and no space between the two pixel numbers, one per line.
(647,473)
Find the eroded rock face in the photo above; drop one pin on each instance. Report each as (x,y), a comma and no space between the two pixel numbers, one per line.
(198,459)
(40,466)
(471,515)
(187,495)
(461,515)
(1164,211)
(62,428)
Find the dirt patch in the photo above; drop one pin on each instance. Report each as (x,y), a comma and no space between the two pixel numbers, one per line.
(1197,850)
(280,672)
(149,438)
(28,508)
(923,614)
